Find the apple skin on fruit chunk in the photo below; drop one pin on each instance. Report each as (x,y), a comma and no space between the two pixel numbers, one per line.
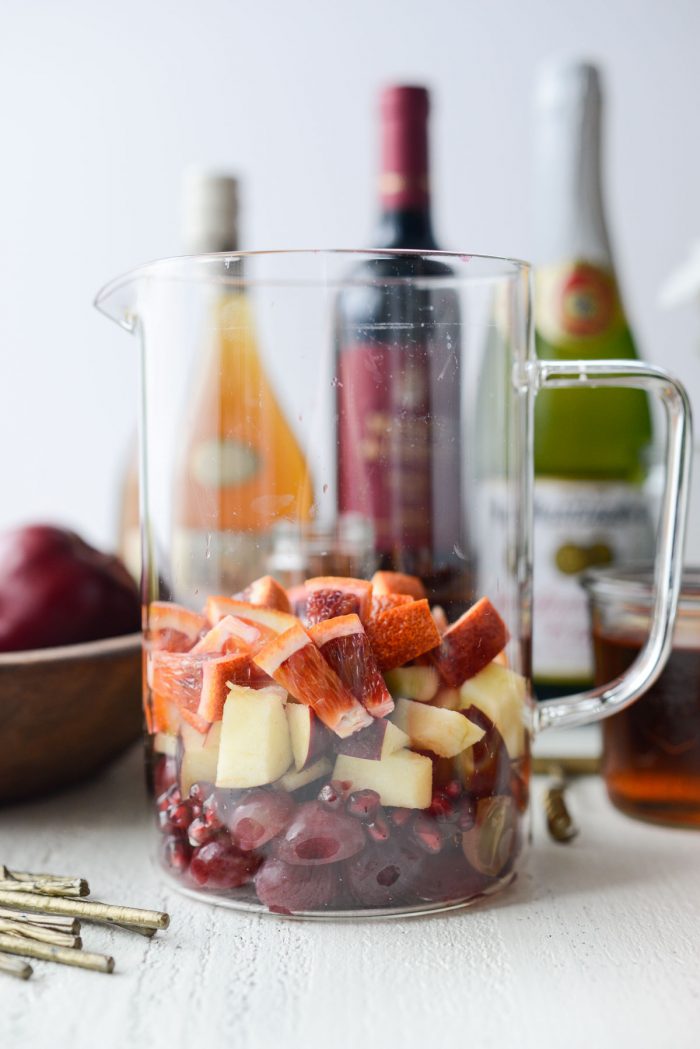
(419,683)
(403,633)
(470,643)
(485,768)
(310,737)
(200,757)
(502,695)
(347,650)
(293,660)
(444,732)
(293,780)
(403,779)
(398,583)
(374,743)
(328,597)
(255,746)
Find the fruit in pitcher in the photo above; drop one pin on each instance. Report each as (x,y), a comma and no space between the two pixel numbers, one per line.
(470,643)
(294,661)
(255,746)
(55,589)
(328,597)
(383,874)
(176,677)
(259,817)
(268,593)
(346,648)
(285,887)
(501,694)
(293,780)
(377,741)
(269,618)
(317,835)
(401,634)
(216,673)
(383,602)
(403,778)
(419,683)
(398,583)
(485,767)
(491,842)
(200,756)
(220,866)
(173,627)
(444,732)
(310,737)
(229,635)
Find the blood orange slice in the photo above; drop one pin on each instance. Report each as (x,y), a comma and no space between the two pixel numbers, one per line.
(398,583)
(346,648)
(268,593)
(328,597)
(172,627)
(402,633)
(230,635)
(295,663)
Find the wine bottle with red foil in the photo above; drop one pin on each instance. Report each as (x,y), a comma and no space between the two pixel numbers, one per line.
(398,374)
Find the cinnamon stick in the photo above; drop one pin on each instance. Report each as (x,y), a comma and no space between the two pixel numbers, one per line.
(15,967)
(111,914)
(63,955)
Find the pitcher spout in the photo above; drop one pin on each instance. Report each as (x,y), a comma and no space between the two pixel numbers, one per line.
(117,300)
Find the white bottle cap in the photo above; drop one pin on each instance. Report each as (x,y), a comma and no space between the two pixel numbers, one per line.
(562,81)
(209,212)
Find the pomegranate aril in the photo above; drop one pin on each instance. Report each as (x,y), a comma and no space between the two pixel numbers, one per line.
(363,804)
(453,789)
(199,792)
(220,866)
(330,797)
(378,830)
(177,854)
(210,814)
(286,888)
(441,807)
(318,835)
(198,833)
(465,814)
(180,815)
(428,834)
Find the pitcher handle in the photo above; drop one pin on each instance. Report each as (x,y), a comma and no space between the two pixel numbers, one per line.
(598,703)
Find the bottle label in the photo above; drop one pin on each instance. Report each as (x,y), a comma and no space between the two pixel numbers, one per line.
(578,525)
(576,302)
(384,433)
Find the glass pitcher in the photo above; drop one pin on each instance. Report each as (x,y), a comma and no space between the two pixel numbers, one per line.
(336,512)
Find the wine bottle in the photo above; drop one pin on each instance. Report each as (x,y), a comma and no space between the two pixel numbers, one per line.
(398,373)
(590,445)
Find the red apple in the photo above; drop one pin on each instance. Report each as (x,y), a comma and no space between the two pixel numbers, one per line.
(55,589)
(470,643)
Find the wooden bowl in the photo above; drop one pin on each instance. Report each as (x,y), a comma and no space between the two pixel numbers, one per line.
(65,712)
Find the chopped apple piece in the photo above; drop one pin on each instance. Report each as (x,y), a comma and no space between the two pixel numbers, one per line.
(398,583)
(470,643)
(328,597)
(404,779)
(402,633)
(445,732)
(419,683)
(448,698)
(374,743)
(309,736)
(502,695)
(346,648)
(172,627)
(164,743)
(255,746)
(201,754)
(218,607)
(267,593)
(229,635)
(293,780)
(294,661)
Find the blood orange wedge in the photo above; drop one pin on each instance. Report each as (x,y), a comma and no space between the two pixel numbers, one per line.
(162,714)
(230,635)
(346,648)
(331,596)
(172,627)
(177,678)
(398,583)
(295,663)
(383,602)
(216,674)
(270,618)
(268,593)
(470,643)
(402,633)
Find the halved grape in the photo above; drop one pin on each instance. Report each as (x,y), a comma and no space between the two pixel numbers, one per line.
(222,866)
(287,887)
(259,817)
(383,875)
(446,878)
(318,835)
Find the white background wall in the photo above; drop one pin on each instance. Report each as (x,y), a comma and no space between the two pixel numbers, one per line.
(103,105)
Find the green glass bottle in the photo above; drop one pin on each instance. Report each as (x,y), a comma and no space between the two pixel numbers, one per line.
(590,445)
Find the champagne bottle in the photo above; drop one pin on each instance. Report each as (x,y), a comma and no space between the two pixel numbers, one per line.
(242,470)
(590,445)
(398,373)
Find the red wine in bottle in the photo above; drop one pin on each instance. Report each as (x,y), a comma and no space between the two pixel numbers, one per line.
(398,373)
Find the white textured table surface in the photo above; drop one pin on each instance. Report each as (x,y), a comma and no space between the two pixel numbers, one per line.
(597,945)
